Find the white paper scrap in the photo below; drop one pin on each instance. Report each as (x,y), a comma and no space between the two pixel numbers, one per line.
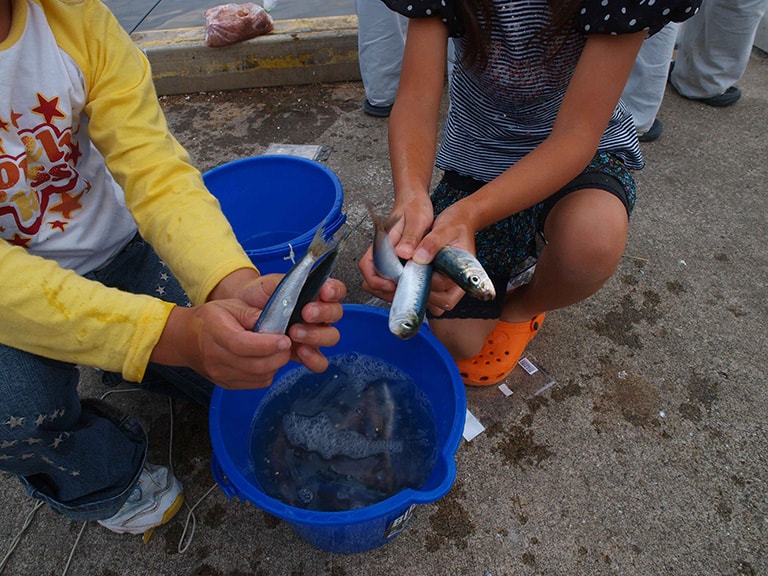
(505,390)
(311,151)
(472,427)
(528,366)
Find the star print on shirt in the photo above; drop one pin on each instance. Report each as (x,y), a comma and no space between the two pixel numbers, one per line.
(48,109)
(67,204)
(74,154)
(20,240)
(15,118)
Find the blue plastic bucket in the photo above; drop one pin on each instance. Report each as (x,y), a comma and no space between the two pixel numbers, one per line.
(275,204)
(364,330)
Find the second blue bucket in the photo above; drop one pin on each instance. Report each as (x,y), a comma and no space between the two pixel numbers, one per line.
(364,329)
(275,203)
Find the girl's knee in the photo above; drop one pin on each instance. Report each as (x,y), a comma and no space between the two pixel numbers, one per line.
(588,246)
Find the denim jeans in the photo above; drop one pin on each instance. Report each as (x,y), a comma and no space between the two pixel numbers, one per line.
(81,456)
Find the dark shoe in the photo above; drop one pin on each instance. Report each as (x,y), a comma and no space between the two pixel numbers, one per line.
(727,98)
(653,132)
(377,111)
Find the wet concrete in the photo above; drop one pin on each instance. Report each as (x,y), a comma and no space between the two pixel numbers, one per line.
(646,452)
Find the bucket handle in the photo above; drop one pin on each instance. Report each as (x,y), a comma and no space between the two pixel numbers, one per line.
(221,478)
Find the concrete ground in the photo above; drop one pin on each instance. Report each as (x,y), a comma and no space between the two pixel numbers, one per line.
(647,455)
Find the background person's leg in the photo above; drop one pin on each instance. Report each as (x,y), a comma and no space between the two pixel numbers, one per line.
(714,47)
(645,87)
(381,41)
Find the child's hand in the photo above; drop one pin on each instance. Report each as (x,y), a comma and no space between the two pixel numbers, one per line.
(451,227)
(217,339)
(417,216)
(316,331)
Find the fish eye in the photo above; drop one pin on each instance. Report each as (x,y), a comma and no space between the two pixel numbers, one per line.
(474,279)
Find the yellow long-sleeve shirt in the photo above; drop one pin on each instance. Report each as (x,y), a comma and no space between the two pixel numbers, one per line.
(85,159)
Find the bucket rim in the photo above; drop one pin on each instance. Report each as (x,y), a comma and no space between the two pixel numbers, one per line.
(288,158)
(333,220)
(300,241)
(399,501)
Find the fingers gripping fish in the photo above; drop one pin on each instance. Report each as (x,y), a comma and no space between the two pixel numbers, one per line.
(385,259)
(299,285)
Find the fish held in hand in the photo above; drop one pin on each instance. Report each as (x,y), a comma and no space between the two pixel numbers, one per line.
(295,289)
(465,269)
(385,259)
(410,302)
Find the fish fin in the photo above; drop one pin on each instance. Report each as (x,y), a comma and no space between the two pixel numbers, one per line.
(325,248)
(390,222)
(319,245)
(384,224)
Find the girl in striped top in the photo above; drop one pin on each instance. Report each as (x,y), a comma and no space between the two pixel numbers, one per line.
(537,153)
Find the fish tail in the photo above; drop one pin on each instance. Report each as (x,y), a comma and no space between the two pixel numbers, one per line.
(384,224)
(319,245)
(374,217)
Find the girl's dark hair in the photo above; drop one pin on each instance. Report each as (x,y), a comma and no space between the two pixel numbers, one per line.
(476,17)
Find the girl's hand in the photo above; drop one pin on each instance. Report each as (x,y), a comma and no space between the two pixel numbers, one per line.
(452,227)
(415,219)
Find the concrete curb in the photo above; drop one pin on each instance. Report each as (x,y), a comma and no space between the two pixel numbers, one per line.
(300,51)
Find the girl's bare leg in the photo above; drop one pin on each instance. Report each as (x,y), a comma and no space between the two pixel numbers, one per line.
(586,235)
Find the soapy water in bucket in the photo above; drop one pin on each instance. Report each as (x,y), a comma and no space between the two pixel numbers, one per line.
(350,437)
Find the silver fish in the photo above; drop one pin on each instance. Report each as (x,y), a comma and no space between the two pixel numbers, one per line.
(385,259)
(276,316)
(462,267)
(410,302)
(321,272)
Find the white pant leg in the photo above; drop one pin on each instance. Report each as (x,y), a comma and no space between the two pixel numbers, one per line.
(645,87)
(715,45)
(380,40)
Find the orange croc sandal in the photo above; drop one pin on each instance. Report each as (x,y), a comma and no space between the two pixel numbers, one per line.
(500,353)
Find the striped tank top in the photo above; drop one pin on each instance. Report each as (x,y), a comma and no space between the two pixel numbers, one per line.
(498,115)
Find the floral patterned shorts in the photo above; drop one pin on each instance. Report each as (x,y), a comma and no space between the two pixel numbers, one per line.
(511,246)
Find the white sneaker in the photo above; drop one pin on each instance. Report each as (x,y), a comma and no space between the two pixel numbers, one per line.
(155,499)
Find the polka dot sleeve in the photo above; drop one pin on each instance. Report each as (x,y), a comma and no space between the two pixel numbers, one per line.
(626,16)
(427,8)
